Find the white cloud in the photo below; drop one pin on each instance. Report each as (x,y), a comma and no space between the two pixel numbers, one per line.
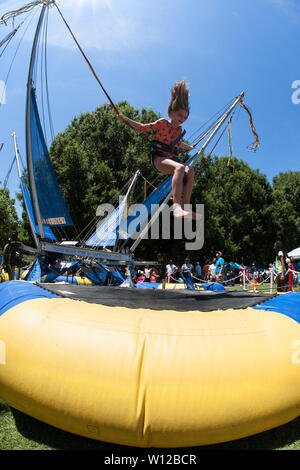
(106,25)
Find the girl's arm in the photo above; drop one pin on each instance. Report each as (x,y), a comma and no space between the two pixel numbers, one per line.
(130,122)
(139,126)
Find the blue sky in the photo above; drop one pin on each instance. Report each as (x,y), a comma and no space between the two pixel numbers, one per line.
(139,49)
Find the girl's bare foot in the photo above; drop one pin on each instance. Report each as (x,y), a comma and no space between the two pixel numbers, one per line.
(178,211)
(187,214)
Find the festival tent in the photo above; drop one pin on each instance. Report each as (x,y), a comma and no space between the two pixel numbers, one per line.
(295,254)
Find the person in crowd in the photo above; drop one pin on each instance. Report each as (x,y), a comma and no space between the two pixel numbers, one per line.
(198,269)
(147,273)
(220,265)
(140,276)
(271,270)
(279,266)
(154,275)
(205,271)
(187,267)
(241,273)
(255,279)
(212,271)
(171,270)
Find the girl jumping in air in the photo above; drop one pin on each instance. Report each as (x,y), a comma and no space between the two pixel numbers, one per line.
(167,139)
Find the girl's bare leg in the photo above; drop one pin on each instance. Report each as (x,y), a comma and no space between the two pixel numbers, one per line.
(168,166)
(187,191)
(187,188)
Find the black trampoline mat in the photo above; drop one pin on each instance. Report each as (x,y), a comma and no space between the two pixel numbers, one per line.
(178,300)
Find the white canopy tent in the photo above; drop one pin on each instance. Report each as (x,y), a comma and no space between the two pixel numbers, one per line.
(295,254)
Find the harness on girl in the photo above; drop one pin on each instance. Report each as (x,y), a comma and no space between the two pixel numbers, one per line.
(157,149)
(170,148)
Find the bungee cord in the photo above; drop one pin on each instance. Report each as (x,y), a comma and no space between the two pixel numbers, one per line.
(88,62)
(6,40)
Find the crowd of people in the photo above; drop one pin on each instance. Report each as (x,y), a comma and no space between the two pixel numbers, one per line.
(227,273)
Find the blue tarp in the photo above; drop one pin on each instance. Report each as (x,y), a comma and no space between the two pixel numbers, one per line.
(148,285)
(213,286)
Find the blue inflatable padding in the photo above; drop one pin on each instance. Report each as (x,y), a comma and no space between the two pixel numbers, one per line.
(287,304)
(35,272)
(13,293)
(148,285)
(213,286)
(69,279)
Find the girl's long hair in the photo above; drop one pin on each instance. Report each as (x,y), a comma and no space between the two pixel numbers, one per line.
(179,97)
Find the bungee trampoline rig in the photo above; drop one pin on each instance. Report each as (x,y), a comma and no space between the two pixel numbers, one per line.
(137,367)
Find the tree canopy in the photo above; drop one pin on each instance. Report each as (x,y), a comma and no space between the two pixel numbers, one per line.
(286,194)
(8,217)
(238,210)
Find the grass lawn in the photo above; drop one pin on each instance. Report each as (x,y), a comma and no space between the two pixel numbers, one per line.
(265,287)
(21,432)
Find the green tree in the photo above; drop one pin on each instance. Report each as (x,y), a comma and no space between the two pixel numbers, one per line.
(238,211)
(286,192)
(8,216)
(24,230)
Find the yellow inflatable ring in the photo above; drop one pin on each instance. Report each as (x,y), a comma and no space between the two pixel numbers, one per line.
(144,377)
